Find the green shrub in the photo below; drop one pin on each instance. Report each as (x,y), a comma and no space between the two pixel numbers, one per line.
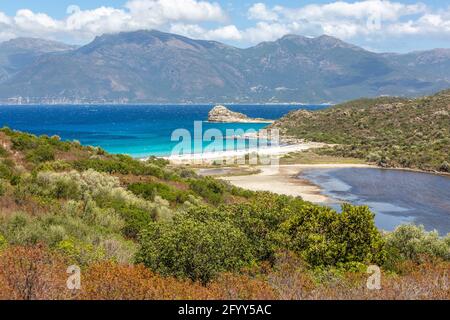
(23,142)
(135,220)
(209,188)
(41,154)
(3,152)
(3,242)
(3,187)
(259,219)
(80,252)
(59,185)
(198,250)
(120,164)
(57,166)
(322,237)
(149,190)
(413,243)
(6,171)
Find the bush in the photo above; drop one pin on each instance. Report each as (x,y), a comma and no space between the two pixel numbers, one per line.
(3,187)
(209,188)
(198,250)
(121,164)
(3,152)
(149,190)
(6,171)
(3,242)
(135,220)
(322,237)
(42,153)
(413,243)
(259,219)
(80,252)
(85,233)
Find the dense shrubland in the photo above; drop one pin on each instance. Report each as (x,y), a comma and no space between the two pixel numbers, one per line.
(391,132)
(146,230)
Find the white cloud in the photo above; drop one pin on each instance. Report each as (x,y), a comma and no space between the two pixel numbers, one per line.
(259,11)
(83,25)
(264,31)
(359,21)
(229,32)
(4,19)
(28,20)
(226,33)
(162,11)
(341,19)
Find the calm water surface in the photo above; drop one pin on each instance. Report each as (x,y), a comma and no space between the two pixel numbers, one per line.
(396,196)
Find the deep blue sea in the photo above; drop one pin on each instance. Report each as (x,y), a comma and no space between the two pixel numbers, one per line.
(138,131)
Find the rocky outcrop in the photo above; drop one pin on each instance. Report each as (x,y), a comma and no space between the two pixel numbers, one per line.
(223,114)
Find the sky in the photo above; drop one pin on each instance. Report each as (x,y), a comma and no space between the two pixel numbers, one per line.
(376,25)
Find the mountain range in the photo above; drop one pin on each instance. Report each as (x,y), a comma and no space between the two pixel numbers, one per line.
(157,67)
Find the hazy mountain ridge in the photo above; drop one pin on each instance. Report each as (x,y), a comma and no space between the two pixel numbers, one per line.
(157,67)
(19,53)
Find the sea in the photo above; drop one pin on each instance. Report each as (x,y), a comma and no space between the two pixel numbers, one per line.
(137,130)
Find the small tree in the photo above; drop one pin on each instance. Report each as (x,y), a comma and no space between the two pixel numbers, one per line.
(198,250)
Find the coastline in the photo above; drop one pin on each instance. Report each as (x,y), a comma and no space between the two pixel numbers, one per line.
(283,179)
(211,157)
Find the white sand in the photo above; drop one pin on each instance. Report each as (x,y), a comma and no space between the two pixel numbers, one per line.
(284,179)
(210,157)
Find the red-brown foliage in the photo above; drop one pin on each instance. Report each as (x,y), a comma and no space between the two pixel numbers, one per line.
(37,273)
(31,273)
(111,281)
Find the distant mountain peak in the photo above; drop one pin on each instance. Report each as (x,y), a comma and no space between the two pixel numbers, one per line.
(158,67)
(334,42)
(151,38)
(291,36)
(323,41)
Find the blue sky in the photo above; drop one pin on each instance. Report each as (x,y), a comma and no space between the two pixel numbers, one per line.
(378,25)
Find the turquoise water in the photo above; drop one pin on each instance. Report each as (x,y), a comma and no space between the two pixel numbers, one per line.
(396,196)
(138,131)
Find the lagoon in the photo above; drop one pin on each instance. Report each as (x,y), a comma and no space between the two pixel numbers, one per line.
(395,196)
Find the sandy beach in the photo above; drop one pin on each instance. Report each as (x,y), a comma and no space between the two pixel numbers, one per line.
(283,180)
(211,157)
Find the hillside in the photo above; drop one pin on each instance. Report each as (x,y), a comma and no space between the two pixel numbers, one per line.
(157,67)
(392,132)
(20,53)
(147,230)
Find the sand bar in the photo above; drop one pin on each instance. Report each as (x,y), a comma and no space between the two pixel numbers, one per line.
(283,179)
(210,157)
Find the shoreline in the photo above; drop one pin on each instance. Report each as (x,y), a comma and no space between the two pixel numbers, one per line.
(284,180)
(230,155)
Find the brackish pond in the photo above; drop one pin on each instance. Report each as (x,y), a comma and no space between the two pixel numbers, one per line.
(395,196)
